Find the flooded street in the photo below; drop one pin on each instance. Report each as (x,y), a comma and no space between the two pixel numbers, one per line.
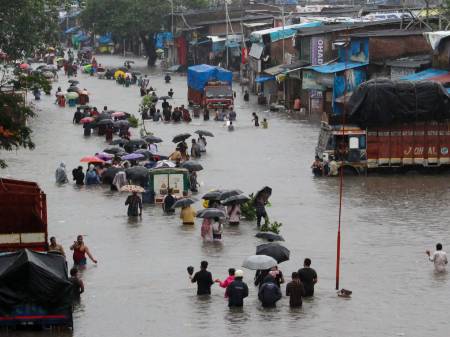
(140,286)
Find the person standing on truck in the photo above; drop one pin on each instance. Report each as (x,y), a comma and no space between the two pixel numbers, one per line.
(54,247)
(439,258)
(77,284)
(80,250)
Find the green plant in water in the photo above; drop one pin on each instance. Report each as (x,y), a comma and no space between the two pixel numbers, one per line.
(273,227)
(248,211)
(134,122)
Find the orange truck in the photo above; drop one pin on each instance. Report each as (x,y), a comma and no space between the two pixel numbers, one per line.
(23,214)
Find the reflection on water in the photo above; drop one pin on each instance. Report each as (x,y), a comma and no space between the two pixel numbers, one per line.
(140,286)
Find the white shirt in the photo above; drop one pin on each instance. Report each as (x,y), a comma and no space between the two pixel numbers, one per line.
(153,148)
(439,258)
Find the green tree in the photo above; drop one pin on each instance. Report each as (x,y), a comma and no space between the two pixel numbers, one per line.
(25,26)
(132,18)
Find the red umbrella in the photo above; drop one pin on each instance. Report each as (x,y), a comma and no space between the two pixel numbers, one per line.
(91,159)
(118,114)
(24,66)
(87,120)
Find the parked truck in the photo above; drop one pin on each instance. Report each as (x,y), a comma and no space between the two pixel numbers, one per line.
(23,214)
(210,87)
(35,289)
(391,125)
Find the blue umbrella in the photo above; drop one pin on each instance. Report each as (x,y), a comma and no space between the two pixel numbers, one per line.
(133,156)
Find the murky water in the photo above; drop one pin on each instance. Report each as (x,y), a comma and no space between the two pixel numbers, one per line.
(140,286)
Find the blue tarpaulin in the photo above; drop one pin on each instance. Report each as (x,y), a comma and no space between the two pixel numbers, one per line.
(262,79)
(423,75)
(288,32)
(105,39)
(161,38)
(199,75)
(336,67)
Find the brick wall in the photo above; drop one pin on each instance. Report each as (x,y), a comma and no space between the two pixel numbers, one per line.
(392,47)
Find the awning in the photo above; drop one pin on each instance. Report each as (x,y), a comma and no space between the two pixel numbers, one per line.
(336,67)
(424,75)
(279,69)
(444,78)
(263,78)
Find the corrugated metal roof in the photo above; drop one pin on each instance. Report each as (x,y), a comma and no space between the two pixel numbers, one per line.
(424,75)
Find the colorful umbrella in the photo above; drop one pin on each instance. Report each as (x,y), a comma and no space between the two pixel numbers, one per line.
(72,95)
(119,73)
(86,120)
(104,155)
(132,188)
(118,114)
(133,156)
(24,66)
(91,159)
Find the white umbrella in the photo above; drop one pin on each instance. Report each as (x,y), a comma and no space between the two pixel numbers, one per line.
(132,188)
(259,262)
(165,164)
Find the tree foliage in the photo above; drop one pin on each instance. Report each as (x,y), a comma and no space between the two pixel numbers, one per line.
(25,27)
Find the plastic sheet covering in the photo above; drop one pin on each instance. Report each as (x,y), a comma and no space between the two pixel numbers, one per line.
(200,75)
(384,102)
(28,277)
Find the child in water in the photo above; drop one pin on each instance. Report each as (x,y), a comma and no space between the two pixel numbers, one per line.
(265,124)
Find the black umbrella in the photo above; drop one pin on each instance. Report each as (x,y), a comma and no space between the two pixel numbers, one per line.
(129,61)
(114,150)
(137,142)
(119,141)
(121,123)
(213,195)
(103,115)
(105,122)
(184,202)
(153,139)
(181,137)
(229,193)
(204,133)
(164,97)
(137,173)
(109,174)
(192,166)
(211,213)
(73,82)
(235,200)
(278,252)
(144,152)
(73,89)
(269,236)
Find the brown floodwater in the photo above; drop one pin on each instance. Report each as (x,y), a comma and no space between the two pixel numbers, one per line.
(140,285)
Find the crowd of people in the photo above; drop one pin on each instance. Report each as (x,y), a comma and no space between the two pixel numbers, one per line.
(269,283)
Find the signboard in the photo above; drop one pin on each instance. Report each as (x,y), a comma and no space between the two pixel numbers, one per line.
(310,81)
(317,50)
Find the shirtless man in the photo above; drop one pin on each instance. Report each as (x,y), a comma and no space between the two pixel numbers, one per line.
(80,250)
